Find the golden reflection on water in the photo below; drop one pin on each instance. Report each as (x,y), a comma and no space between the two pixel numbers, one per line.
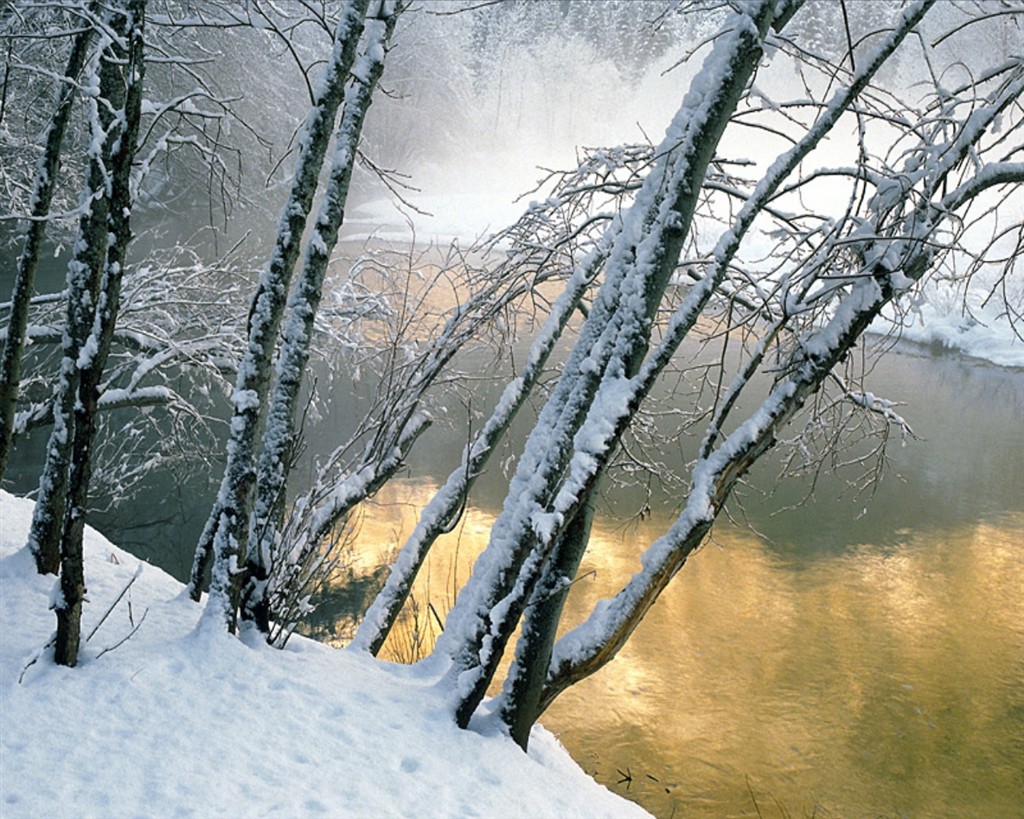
(873,682)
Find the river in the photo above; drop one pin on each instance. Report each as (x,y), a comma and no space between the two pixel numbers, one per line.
(858,657)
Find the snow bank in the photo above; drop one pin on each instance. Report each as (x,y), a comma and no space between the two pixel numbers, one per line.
(974,327)
(942,318)
(174,723)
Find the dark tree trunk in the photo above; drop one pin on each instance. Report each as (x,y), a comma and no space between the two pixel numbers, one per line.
(128,68)
(524,686)
(83,283)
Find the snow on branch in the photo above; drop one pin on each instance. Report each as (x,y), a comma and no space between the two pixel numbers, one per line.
(811,362)
(616,330)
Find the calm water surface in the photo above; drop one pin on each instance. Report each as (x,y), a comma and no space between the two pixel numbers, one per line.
(860,657)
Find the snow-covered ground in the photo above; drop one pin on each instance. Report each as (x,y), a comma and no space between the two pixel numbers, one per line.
(171,722)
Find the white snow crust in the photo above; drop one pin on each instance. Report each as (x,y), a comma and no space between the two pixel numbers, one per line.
(182,722)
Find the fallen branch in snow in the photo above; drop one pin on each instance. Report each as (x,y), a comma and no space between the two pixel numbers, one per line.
(35,657)
(117,600)
(127,637)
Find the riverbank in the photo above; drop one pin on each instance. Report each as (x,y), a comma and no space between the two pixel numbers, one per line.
(946,317)
(168,722)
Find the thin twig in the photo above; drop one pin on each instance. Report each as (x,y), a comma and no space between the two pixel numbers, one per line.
(127,637)
(117,600)
(35,657)
(753,799)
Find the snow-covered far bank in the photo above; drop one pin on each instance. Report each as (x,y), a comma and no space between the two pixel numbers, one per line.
(942,317)
(170,722)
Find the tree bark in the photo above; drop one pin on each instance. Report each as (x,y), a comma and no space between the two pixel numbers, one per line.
(128,68)
(524,685)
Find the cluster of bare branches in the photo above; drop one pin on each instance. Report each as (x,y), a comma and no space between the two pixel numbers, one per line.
(677,302)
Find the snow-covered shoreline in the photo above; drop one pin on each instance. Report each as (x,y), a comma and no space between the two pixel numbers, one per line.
(954,332)
(175,723)
(940,319)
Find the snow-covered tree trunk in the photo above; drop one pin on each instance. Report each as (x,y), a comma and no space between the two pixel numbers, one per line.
(612,343)
(892,258)
(279,434)
(521,702)
(28,261)
(83,281)
(441,513)
(224,536)
(524,684)
(126,100)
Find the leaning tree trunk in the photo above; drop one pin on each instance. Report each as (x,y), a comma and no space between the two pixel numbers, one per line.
(130,68)
(526,679)
(224,536)
(612,341)
(278,438)
(521,703)
(442,512)
(42,196)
